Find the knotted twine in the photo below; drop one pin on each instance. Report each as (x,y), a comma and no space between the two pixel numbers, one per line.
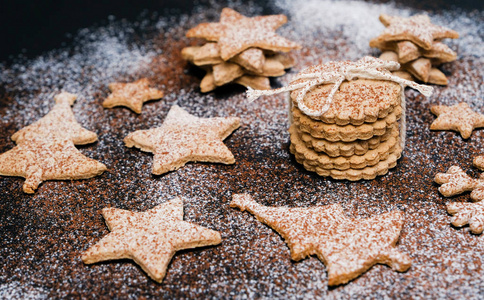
(365,68)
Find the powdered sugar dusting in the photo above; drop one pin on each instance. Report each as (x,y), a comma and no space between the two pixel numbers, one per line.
(43,235)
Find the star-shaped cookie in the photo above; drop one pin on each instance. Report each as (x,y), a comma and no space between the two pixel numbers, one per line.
(236,33)
(58,123)
(417,29)
(347,246)
(459,117)
(132,94)
(183,138)
(38,160)
(150,238)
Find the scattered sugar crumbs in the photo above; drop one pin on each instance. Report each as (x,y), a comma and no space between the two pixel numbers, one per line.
(62,219)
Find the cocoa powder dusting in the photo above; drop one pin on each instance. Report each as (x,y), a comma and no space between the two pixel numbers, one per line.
(45,234)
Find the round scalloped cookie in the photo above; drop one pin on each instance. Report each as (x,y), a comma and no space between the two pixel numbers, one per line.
(367,173)
(358,147)
(324,161)
(346,133)
(356,102)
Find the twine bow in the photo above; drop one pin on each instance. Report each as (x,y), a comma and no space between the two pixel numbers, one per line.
(365,68)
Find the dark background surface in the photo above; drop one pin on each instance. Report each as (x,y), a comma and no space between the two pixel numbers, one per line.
(44,234)
(30,28)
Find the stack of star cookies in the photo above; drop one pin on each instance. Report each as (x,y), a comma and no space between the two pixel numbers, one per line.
(416,44)
(240,50)
(357,136)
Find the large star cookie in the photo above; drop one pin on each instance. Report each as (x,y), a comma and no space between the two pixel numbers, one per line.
(459,117)
(131,95)
(38,160)
(347,246)
(183,138)
(58,123)
(150,238)
(236,33)
(417,29)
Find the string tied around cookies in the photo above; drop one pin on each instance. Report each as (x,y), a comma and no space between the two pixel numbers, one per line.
(365,68)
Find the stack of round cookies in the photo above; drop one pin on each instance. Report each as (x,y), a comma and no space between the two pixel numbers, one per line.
(357,137)
(344,117)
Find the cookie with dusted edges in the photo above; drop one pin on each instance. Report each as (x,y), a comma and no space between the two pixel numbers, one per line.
(184,138)
(39,159)
(459,117)
(150,238)
(358,147)
(356,102)
(345,133)
(131,94)
(321,160)
(347,246)
(419,68)
(252,59)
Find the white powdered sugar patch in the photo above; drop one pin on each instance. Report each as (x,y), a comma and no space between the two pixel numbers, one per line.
(100,56)
(16,290)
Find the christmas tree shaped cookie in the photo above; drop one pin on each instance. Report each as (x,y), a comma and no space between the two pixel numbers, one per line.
(131,94)
(38,160)
(59,123)
(348,247)
(45,149)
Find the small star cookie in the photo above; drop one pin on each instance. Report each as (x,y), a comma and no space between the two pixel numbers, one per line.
(183,138)
(251,59)
(236,33)
(58,123)
(417,29)
(348,247)
(459,117)
(150,238)
(131,95)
